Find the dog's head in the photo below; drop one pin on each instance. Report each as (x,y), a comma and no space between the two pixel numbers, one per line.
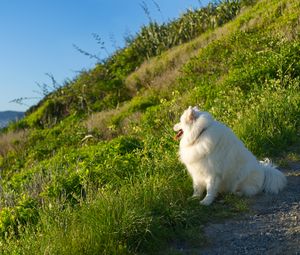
(186,120)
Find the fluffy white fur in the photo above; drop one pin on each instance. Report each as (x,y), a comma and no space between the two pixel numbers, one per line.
(219,162)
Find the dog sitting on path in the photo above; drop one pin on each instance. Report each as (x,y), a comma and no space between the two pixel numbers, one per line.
(219,162)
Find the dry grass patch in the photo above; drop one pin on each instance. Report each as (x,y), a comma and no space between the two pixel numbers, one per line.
(12,141)
(162,71)
(100,123)
(156,72)
(111,123)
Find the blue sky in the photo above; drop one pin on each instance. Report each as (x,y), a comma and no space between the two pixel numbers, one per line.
(37,37)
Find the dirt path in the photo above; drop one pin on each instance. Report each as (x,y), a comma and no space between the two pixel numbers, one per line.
(271,227)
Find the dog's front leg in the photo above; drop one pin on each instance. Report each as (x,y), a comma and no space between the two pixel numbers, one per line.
(199,188)
(212,188)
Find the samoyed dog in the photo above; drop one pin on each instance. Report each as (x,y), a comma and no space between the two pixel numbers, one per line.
(219,162)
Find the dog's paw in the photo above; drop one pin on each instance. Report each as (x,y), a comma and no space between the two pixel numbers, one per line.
(197,195)
(206,201)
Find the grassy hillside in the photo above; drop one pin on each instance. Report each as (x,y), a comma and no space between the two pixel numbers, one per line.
(93,168)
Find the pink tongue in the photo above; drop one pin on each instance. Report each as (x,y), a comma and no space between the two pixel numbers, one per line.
(179,134)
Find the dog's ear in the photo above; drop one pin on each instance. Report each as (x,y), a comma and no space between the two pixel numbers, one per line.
(191,114)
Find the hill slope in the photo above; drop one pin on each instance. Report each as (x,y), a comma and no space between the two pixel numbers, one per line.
(78,181)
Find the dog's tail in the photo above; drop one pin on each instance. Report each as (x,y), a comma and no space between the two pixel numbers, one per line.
(275,180)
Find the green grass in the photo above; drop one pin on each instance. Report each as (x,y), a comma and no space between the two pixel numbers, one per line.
(143,217)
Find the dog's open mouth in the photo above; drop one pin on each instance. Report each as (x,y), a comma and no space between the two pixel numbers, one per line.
(179,134)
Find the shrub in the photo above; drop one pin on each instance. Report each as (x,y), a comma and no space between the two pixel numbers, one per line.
(13,219)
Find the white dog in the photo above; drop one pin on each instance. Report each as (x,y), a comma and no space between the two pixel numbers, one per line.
(219,162)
